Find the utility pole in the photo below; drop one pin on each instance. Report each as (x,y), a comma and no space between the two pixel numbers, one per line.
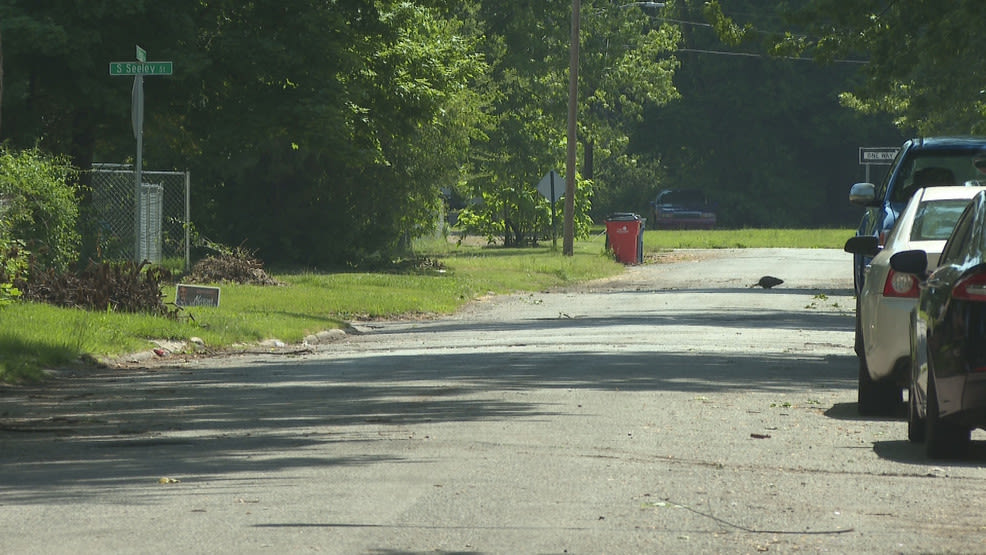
(568,231)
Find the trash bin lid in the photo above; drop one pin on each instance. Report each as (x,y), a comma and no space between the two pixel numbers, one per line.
(622,217)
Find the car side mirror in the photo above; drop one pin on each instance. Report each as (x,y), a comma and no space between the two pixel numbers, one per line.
(863,194)
(910,262)
(866,245)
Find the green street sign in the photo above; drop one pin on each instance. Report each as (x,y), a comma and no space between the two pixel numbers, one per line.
(137,68)
(141,54)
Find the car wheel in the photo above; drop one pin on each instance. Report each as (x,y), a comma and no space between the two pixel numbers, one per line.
(876,398)
(916,426)
(943,439)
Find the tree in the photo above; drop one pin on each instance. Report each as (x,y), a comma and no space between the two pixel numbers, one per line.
(317,132)
(332,140)
(625,66)
(57,88)
(620,84)
(58,94)
(764,136)
(923,58)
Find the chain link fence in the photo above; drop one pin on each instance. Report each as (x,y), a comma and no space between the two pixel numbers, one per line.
(155,229)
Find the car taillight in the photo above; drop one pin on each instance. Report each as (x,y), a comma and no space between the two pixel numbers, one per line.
(971,288)
(883,238)
(900,285)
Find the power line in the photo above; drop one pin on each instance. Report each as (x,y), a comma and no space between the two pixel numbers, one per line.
(755,55)
(683,22)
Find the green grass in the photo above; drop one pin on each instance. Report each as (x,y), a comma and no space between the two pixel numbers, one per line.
(746,238)
(34,336)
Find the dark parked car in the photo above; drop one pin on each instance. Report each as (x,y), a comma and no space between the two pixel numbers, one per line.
(948,337)
(683,209)
(927,162)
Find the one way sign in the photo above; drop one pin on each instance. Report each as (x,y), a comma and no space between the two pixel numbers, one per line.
(878,155)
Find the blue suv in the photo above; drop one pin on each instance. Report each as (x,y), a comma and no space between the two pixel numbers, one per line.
(926,162)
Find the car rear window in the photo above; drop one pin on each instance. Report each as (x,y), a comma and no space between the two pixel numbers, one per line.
(682,197)
(937,168)
(935,219)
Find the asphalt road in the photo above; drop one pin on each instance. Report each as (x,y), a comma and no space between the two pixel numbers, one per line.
(672,409)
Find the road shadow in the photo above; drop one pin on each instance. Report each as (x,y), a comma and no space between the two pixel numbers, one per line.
(850,411)
(641,317)
(108,428)
(903,451)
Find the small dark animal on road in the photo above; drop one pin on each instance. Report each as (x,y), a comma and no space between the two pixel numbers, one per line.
(767,282)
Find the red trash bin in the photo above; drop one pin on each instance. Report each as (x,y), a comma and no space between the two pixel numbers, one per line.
(623,235)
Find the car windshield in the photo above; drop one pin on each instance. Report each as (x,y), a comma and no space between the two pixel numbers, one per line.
(935,220)
(937,168)
(682,197)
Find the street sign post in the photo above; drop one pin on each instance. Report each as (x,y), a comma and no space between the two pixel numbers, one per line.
(139,69)
(550,187)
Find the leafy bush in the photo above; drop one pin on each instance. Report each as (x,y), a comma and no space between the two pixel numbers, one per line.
(38,207)
(13,267)
(522,217)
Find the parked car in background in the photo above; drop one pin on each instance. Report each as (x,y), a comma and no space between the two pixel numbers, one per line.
(887,298)
(948,337)
(683,209)
(920,163)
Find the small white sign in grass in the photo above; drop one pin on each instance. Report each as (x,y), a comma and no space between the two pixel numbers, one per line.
(196,295)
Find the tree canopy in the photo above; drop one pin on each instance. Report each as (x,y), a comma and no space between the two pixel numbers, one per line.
(921,61)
